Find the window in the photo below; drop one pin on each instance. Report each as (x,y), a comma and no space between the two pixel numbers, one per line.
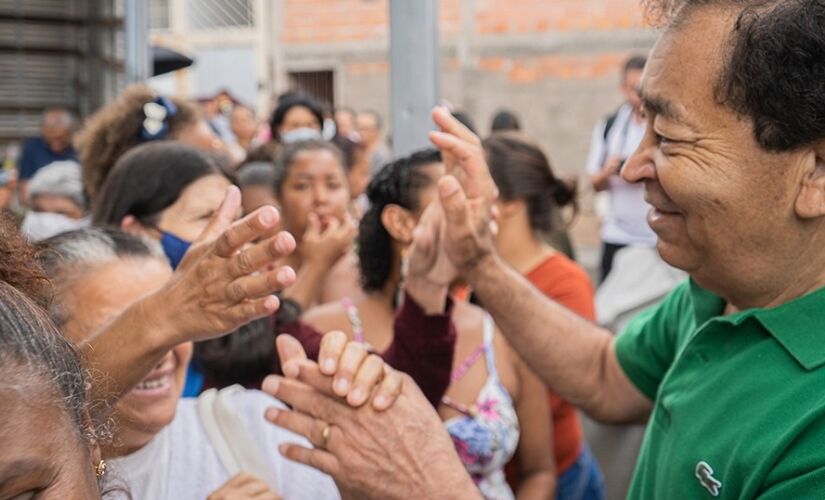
(318,84)
(209,14)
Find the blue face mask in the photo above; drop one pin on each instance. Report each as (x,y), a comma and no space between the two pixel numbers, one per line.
(174,248)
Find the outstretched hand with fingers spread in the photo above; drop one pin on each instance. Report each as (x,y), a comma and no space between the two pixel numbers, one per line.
(222,284)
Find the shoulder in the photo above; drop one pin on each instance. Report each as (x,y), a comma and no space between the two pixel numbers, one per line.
(343,280)
(566,282)
(469,320)
(326,317)
(559,268)
(33,143)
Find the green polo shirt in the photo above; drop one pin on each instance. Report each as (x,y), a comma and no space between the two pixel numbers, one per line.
(739,400)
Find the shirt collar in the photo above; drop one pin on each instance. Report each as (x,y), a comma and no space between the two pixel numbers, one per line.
(798,325)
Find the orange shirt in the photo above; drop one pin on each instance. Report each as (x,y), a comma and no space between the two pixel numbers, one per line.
(567,283)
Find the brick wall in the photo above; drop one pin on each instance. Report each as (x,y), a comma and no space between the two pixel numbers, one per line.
(553,62)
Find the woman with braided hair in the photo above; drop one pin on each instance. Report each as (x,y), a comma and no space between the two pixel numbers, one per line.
(493,405)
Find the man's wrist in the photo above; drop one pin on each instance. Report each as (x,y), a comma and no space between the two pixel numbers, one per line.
(481,268)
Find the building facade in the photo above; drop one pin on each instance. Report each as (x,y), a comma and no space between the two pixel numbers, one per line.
(556,64)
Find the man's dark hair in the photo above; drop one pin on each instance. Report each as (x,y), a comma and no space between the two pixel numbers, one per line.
(775,66)
(634,63)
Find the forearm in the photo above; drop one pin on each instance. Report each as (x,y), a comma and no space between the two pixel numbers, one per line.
(539,485)
(124,352)
(569,354)
(600,181)
(423,347)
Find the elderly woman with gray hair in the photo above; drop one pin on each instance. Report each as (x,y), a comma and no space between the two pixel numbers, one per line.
(164,446)
(57,201)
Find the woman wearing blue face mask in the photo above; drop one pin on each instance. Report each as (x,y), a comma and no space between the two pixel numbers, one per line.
(164,191)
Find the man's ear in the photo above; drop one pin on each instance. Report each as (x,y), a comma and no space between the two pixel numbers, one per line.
(810,202)
(399,223)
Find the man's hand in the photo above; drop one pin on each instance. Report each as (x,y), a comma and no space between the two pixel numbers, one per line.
(219,285)
(244,486)
(358,375)
(611,167)
(466,194)
(403,452)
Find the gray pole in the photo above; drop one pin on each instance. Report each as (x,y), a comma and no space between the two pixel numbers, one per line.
(136,38)
(414,80)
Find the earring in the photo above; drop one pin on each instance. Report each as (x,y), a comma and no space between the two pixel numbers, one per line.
(100,469)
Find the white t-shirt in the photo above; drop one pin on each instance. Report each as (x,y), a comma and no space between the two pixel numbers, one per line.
(180,463)
(625,222)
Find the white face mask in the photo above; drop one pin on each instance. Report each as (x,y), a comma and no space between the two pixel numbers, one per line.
(329,129)
(300,134)
(41,225)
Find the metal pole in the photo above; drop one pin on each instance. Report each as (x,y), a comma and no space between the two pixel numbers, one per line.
(136,38)
(414,72)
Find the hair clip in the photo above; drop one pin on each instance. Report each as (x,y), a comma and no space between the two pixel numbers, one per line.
(156,119)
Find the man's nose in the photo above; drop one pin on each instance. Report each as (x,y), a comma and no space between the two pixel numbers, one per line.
(640,166)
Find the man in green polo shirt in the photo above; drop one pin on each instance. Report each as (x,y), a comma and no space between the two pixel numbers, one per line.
(729,371)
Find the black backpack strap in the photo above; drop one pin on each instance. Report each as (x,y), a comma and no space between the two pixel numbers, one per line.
(609,122)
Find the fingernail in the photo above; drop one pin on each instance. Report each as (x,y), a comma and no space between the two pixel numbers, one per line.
(272,384)
(272,414)
(328,366)
(341,386)
(357,395)
(285,275)
(448,188)
(291,369)
(379,402)
(271,303)
(281,244)
(266,218)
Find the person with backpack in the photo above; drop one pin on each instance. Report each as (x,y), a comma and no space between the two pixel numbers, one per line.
(615,138)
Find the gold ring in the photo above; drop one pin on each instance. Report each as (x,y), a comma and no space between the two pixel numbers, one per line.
(325,437)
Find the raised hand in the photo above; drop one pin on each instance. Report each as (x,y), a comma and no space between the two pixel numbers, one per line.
(466,194)
(222,283)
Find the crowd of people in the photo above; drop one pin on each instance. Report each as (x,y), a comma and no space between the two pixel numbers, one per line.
(195,305)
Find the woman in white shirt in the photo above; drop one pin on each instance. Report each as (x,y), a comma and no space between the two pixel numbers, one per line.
(161,446)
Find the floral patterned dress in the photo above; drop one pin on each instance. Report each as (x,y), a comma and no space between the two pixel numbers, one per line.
(487,435)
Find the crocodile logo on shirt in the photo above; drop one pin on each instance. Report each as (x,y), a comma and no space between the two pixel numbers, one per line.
(704,473)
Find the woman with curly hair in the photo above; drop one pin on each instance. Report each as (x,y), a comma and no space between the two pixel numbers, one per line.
(138,116)
(38,365)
